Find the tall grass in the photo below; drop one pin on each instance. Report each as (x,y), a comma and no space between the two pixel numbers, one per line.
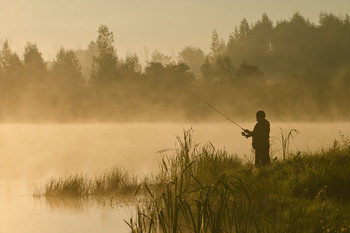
(202,189)
(285,140)
(209,191)
(112,181)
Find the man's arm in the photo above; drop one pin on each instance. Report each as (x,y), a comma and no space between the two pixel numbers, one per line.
(247,133)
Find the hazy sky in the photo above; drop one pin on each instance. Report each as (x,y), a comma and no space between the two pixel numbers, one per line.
(165,25)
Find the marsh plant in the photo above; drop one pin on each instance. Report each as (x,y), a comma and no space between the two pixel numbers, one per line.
(199,196)
(203,189)
(209,191)
(111,182)
(285,141)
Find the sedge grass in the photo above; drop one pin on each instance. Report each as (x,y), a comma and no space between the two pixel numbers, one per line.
(209,191)
(202,189)
(111,182)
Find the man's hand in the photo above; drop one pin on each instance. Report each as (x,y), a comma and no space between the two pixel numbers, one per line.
(246,133)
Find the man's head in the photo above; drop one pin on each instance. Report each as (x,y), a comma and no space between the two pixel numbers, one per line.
(260,115)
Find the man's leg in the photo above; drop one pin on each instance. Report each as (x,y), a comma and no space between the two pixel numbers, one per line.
(265,156)
(258,157)
(262,156)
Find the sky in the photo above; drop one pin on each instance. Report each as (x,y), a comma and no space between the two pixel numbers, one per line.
(142,26)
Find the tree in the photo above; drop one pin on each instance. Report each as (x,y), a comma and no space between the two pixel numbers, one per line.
(216,64)
(85,57)
(35,71)
(68,83)
(33,60)
(10,76)
(250,76)
(179,74)
(154,72)
(260,39)
(334,34)
(292,52)
(158,57)
(10,64)
(104,65)
(67,70)
(207,70)
(131,67)
(217,45)
(246,70)
(238,42)
(194,58)
(170,75)
(37,88)
(224,69)
(251,43)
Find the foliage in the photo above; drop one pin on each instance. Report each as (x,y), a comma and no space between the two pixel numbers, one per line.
(115,181)
(193,57)
(202,189)
(158,57)
(67,69)
(33,59)
(305,193)
(104,66)
(262,65)
(285,140)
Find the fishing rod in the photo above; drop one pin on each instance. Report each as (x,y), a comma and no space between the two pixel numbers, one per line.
(212,107)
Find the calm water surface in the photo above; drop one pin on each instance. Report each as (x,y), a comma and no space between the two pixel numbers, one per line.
(32,153)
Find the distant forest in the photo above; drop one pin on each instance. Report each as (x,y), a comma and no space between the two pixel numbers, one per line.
(293,69)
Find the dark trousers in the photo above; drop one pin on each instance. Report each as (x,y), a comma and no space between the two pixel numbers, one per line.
(262,156)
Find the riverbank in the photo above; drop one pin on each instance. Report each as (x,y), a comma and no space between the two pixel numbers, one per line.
(201,189)
(211,192)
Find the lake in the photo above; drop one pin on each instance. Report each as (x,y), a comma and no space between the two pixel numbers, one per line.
(32,153)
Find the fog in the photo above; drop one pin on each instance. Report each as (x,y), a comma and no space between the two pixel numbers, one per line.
(30,154)
(294,69)
(34,152)
(85,110)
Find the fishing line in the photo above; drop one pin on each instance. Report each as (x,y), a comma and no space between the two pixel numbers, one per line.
(212,107)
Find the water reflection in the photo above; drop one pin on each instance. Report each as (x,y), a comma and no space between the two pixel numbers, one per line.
(21,212)
(81,205)
(76,205)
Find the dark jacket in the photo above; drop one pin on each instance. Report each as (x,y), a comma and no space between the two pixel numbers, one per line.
(261,135)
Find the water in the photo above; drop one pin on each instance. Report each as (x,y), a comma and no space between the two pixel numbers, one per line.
(32,153)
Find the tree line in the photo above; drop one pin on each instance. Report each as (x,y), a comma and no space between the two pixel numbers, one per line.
(293,69)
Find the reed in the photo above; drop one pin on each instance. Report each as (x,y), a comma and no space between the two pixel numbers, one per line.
(285,140)
(202,189)
(111,182)
(209,191)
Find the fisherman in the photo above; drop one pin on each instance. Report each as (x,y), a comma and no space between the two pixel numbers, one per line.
(261,136)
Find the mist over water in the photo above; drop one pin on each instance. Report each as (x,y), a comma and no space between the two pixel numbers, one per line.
(32,153)
(89,109)
(36,151)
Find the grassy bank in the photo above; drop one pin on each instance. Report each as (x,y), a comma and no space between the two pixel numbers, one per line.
(209,191)
(202,189)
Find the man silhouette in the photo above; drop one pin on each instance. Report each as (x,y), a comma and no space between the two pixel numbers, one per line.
(261,136)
